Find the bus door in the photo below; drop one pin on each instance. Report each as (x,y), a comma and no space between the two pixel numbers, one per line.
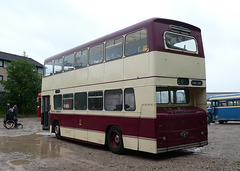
(46,113)
(39,105)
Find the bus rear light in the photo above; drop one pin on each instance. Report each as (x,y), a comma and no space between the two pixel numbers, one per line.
(162,139)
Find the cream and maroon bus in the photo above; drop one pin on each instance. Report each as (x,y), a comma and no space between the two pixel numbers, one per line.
(141,88)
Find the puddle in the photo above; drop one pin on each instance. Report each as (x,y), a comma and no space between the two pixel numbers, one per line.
(40,145)
(19,162)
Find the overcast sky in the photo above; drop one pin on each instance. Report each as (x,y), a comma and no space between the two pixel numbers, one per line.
(43,28)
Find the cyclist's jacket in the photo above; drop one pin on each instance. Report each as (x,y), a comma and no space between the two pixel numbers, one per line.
(10,115)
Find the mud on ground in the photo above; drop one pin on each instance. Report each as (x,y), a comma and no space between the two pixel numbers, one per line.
(33,149)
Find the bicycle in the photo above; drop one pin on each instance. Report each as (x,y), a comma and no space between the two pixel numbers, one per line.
(10,124)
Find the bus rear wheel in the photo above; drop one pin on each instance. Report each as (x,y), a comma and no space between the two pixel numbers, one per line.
(57,131)
(114,140)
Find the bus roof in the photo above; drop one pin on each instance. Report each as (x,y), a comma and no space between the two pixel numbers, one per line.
(224,97)
(144,24)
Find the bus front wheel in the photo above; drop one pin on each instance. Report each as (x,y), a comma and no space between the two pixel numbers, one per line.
(114,140)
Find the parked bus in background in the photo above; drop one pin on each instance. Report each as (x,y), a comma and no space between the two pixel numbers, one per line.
(141,88)
(224,108)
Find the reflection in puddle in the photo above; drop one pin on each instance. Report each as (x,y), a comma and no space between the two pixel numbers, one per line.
(42,145)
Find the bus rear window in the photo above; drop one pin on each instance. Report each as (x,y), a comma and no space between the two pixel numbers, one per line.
(180,42)
(162,96)
(180,96)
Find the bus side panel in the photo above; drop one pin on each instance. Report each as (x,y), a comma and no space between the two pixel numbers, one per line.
(81,124)
(95,127)
(147,135)
(66,122)
(226,114)
(130,132)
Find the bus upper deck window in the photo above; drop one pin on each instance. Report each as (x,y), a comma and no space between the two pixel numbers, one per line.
(136,42)
(96,54)
(48,69)
(180,42)
(69,62)
(58,65)
(114,49)
(81,59)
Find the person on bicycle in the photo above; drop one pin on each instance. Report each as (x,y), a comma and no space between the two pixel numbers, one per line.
(7,108)
(15,111)
(10,114)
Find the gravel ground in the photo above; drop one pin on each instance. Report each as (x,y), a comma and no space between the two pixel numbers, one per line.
(32,149)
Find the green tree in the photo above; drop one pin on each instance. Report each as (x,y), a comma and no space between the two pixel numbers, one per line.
(22,86)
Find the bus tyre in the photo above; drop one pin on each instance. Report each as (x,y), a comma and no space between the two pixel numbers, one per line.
(57,131)
(114,140)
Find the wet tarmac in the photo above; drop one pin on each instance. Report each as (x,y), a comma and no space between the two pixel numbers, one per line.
(31,148)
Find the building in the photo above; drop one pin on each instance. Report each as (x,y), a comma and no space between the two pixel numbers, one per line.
(5,60)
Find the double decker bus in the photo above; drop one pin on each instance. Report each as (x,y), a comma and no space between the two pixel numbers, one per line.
(141,88)
(224,108)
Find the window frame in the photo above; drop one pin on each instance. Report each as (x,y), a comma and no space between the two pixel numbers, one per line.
(114,46)
(180,50)
(6,64)
(72,62)
(128,107)
(158,89)
(65,99)
(99,98)
(136,52)
(50,63)
(90,56)
(115,94)
(186,93)
(80,104)
(54,66)
(60,100)
(1,63)
(86,59)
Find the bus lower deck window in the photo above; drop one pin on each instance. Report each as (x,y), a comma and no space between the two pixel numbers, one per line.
(95,100)
(113,100)
(57,102)
(129,99)
(81,101)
